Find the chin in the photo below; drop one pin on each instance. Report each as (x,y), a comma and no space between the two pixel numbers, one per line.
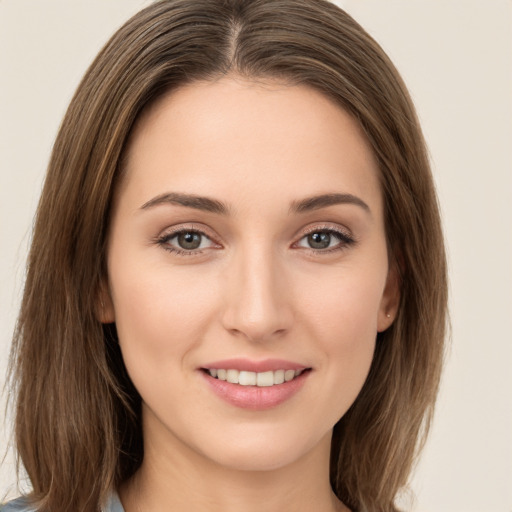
(245,460)
(265,452)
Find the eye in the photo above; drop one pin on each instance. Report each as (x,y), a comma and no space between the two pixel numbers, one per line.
(185,241)
(325,240)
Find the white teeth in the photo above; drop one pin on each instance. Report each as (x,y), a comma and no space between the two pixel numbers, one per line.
(232,376)
(247,378)
(265,379)
(261,379)
(289,375)
(279,377)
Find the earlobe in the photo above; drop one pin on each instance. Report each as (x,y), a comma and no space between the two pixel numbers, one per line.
(390,300)
(104,306)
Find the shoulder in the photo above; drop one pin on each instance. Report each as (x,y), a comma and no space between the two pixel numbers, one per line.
(113,504)
(23,505)
(17,505)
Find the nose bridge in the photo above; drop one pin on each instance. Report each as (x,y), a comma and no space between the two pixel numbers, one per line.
(257,306)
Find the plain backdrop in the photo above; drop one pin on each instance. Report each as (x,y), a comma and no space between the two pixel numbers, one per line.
(456,57)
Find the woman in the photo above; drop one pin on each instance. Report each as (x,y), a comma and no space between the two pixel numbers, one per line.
(239,251)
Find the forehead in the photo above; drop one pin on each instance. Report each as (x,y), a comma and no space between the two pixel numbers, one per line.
(235,132)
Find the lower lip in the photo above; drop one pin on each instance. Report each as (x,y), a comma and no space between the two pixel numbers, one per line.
(255,397)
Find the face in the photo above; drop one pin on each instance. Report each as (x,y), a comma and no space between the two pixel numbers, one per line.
(247,243)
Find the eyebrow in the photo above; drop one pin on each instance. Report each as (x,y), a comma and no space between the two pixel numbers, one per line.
(189,200)
(215,206)
(324,200)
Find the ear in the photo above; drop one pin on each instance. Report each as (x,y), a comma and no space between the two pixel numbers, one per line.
(105,312)
(390,299)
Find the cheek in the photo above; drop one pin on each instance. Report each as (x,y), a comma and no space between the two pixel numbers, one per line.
(159,315)
(342,317)
(343,308)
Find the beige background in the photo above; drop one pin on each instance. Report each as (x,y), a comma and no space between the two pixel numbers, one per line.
(456,57)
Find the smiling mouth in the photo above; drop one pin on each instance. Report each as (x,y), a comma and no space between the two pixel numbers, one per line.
(259,379)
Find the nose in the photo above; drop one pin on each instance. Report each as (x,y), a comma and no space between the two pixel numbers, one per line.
(257,306)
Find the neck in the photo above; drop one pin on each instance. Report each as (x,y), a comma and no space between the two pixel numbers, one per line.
(177,478)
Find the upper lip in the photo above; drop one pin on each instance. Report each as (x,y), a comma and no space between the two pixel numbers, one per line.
(249,365)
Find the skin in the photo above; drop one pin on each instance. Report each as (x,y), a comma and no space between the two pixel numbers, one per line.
(255,289)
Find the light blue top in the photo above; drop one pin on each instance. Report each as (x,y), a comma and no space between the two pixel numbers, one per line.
(21,505)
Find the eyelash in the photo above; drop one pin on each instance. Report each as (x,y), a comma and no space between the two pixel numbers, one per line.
(164,240)
(345,240)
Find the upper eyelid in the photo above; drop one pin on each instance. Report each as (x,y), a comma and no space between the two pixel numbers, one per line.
(192,227)
(165,238)
(340,235)
(314,229)
(172,231)
(169,233)
(335,228)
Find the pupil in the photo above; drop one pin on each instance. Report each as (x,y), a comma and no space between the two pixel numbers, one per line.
(319,240)
(189,240)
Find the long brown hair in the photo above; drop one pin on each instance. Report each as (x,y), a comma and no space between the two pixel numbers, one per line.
(77,414)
